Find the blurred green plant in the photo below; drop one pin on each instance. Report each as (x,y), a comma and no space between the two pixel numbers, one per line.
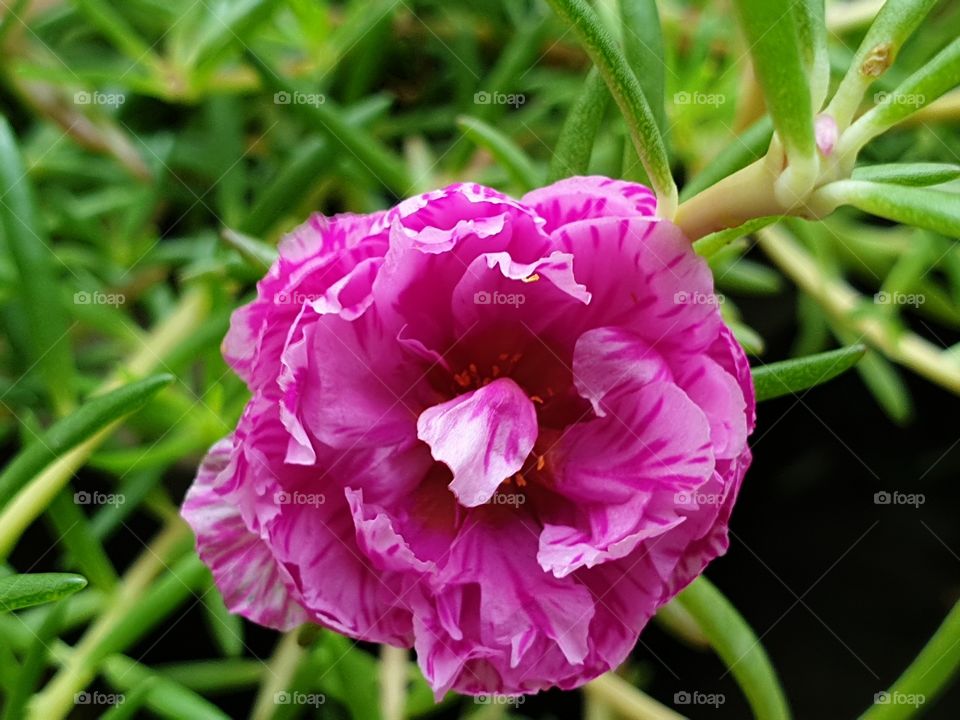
(152,153)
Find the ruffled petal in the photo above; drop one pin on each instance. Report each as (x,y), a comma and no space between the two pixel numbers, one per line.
(496,290)
(720,396)
(644,276)
(433,239)
(354,390)
(251,581)
(609,359)
(509,627)
(312,258)
(625,471)
(483,436)
(584,197)
(316,542)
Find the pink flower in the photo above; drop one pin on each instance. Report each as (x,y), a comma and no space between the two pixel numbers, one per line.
(502,432)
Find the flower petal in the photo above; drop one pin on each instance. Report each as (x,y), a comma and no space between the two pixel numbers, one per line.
(644,276)
(584,197)
(312,258)
(483,436)
(515,628)
(624,472)
(607,359)
(496,289)
(249,577)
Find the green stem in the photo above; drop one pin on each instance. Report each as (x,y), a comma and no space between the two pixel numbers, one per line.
(56,700)
(33,498)
(393,682)
(628,94)
(738,647)
(622,697)
(746,194)
(927,676)
(279,675)
(841,302)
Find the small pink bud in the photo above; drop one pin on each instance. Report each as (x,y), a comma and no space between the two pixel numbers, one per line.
(825,130)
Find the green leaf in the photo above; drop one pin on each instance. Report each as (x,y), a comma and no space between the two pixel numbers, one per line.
(936,77)
(927,676)
(133,701)
(933,209)
(791,376)
(736,155)
(115,27)
(915,174)
(513,62)
(504,150)
(643,47)
(258,255)
(738,647)
(166,698)
(35,263)
(227,24)
(75,534)
(35,661)
(710,244)
(225,628)
(812,31)
(772,35)
(628,94)
(885,382)
(83,423)
(377,161)
(747,277)
(579,131)
(20,591)
(298,174)
(895,22)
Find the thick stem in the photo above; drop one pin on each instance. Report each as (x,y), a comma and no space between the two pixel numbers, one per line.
(841,302)
(393,682)
(747,194)
(279,676)
(617,694)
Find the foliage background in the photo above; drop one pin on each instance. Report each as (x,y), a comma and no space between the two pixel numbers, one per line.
(148,128)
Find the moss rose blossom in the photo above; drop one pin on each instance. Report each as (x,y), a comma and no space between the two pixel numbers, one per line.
(503,432)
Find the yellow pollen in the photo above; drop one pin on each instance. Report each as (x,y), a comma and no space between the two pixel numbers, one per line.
(537,399)
(531,278)
(541,462)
